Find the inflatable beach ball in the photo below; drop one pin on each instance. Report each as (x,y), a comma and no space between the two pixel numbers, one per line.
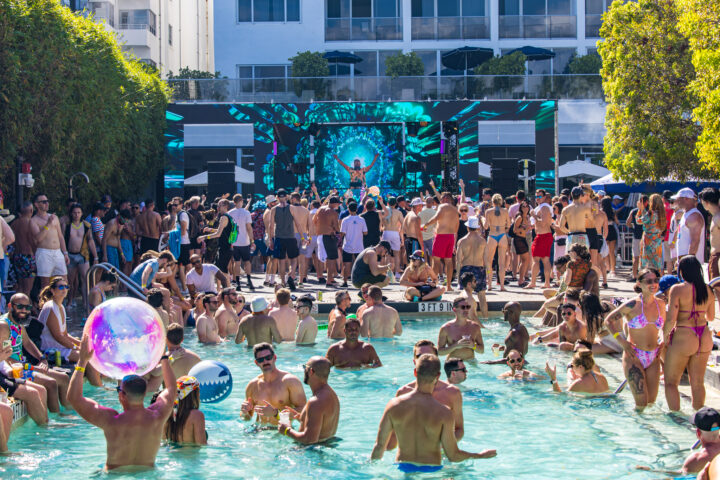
(215,380)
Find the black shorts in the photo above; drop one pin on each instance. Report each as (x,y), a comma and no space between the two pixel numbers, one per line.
(593,239)
(241,253)
(147,243)
(612,233)
(222,258)
(194,245)
(411,244)
(330,244)
(184,258)
(369,278)
(285,247)
(8,385)
(348,257)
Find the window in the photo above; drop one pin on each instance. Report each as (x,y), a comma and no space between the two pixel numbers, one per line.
(268,11)
(382,56)
(423,8)
(429,59)
(448,8)
(169,34)
(136,19)
(368,67)
(509,7)
(473,8)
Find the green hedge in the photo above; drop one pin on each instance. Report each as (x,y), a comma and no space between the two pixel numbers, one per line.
(71,101)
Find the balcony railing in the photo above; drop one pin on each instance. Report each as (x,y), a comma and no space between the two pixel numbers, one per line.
(137,26)
(450,28)
(476,87)
(378,28)
(538,26)
(592,25)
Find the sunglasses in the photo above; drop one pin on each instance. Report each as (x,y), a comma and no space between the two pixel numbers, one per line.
(264,359)
(515,360)
(463,211)
(62,287)
(42,201)
(651,281)
(464,370)
(566,314)
(119,389)
(136,208)
(199,262)
(20,306)
(714,429)
(464,307)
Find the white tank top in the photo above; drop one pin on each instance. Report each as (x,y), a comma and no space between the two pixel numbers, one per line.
(683,241)
(47,341)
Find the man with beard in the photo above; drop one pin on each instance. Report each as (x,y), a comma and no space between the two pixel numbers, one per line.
(225,316)
(206,327)
(352,352)
(319,419)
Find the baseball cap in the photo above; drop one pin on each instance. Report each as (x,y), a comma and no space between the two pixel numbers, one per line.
(270,199)
(386,245)
(601,192)
(617,197)
(416,201)
(417,255)
(258,304)
(106,199)
(401,198)
(705,418)
(667,281)
(684,193)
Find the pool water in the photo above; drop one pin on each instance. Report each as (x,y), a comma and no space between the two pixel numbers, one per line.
(537,434)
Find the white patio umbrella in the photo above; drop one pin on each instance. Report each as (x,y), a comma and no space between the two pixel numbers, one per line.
(201,179)
(581,168)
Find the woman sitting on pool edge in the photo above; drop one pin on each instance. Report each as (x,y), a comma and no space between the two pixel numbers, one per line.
(516,361)
(187,423)
(588,380)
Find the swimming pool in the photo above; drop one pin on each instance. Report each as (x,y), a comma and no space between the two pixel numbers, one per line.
(537,434)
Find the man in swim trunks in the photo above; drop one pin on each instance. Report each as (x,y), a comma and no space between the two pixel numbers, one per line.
(352,352)
(420,279)
(471,258)
(258,327)
(574,217)
(461,337)
(447,219)
(302,235)
(428,234)
(327,225)
(281,227)
(133,436)
(148,224)
(23,258)
(392,221)
(517,338)
(112,252)
(455,371)
(272,391)
(412,231)
(51,253)
(380,320)
(543,243)
(321,414)
(336,319)
(366,268)
(421,436)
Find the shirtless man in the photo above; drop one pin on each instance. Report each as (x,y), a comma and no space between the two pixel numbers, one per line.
(574,217)
(471,258)
(147,224)
(468,285)
(460,337)
(567,333)
(364,290)
(272,391)
(51,254)
(285,317)
(302,234)
(133,436)
(420,279)
(225,317)
(81,248)
(307,328)
(258,327)
(327,224)
(352,352)
(380,320)
(543,243)
(271,267)
(518,336)
(447,219)
(357,172)
(181,359)
(112,251)
(24,258)
(320,416)
(336,319)
(412,230)
(392,221)
(422,424)
(206,326)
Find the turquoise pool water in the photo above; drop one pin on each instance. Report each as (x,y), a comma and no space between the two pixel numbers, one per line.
(537,434)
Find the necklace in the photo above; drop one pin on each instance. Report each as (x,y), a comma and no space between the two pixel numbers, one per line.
(78,227)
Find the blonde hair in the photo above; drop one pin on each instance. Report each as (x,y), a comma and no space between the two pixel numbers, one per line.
(584,358)
(497,200)
(657,206)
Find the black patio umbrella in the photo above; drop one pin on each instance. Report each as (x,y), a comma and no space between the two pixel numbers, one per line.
(466,57)
(337,57)
(534,53)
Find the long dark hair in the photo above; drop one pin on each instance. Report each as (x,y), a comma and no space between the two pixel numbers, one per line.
(46,293)
(593,313)
(174,427)
(606,205)
(690,271)
(643,273)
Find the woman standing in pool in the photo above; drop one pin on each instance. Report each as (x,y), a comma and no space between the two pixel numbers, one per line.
(357,172)
(688,339)
(639,337)
(497,221)
(187,423)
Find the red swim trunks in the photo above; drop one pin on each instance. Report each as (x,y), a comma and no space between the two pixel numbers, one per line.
(443,245)
(542,245)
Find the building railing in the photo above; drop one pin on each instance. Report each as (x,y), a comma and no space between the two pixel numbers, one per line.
(592,26)
(370,28)
(137,26)
(450,28)
(475,87)
(538,26)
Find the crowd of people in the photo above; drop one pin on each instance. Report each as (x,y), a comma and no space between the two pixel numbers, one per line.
(192,262)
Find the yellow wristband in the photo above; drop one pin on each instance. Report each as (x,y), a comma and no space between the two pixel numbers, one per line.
(46,227)
(615,335)
(286,432)
(80,369)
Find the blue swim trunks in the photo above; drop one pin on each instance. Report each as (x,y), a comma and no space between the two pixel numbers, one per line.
(113,257)
(127,248)
(406,467)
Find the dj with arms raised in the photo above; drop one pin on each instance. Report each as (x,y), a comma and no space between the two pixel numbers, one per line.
(133,436)
(357,172)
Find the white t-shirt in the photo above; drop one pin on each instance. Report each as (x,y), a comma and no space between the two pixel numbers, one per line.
(241,217)
(353,227)
(204,282)
(184,217)
(425,215)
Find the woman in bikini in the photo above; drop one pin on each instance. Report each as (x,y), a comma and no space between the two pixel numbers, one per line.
(521,226)
(639,336)
(688,337)
(497,221)
(187,423)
